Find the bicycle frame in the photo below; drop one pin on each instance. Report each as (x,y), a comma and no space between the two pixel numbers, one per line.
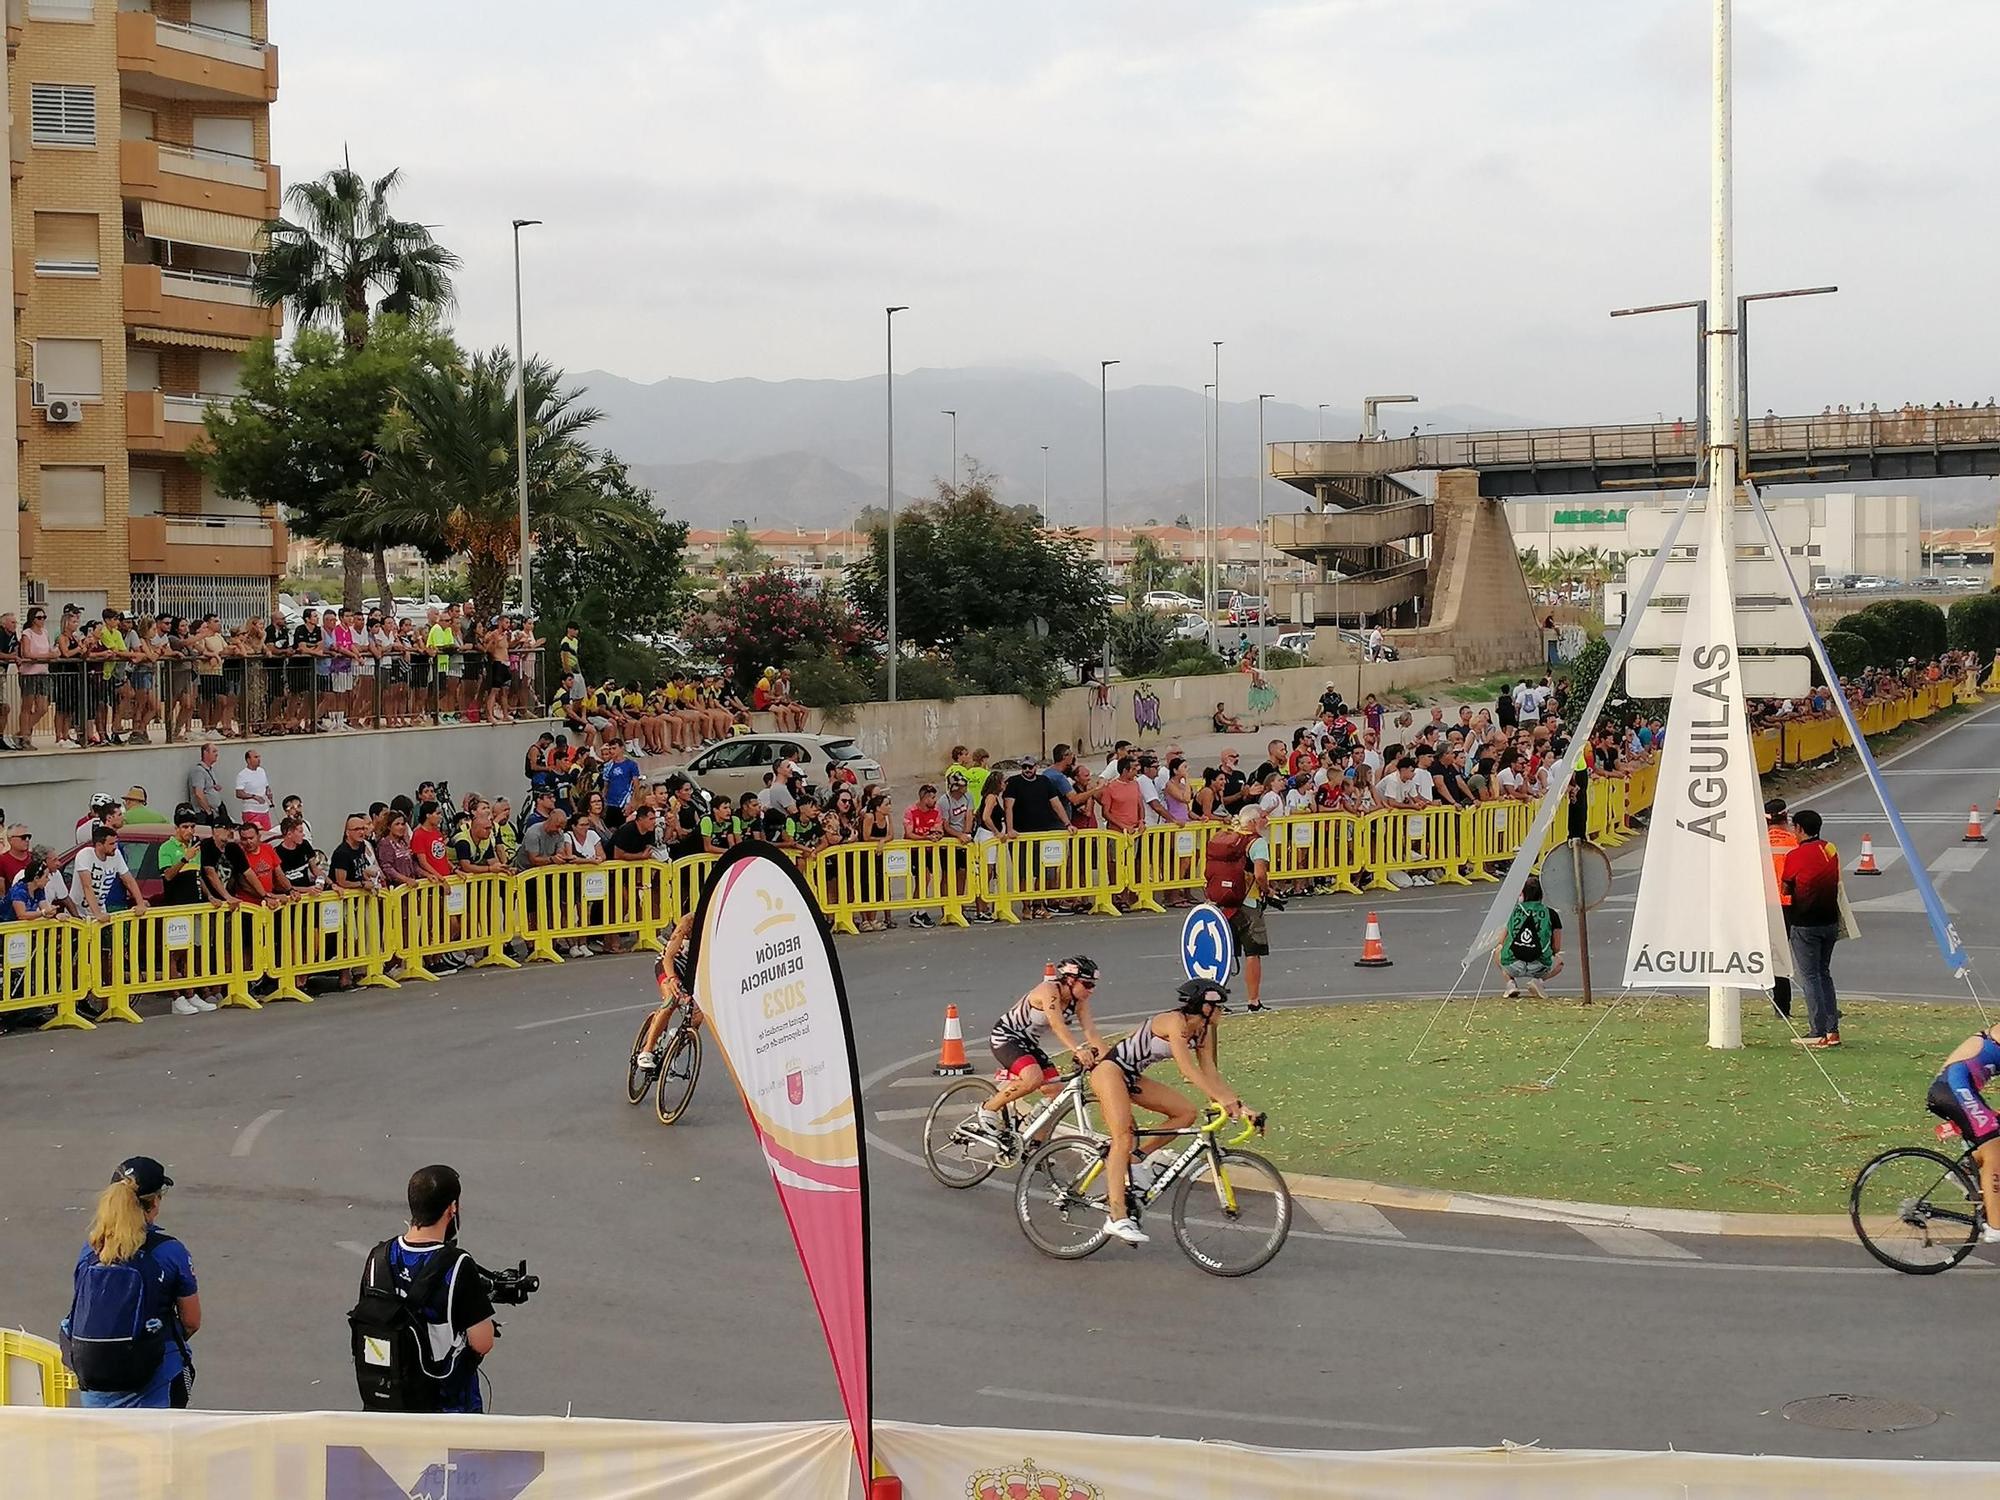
(1069,1099)
(1205,1144)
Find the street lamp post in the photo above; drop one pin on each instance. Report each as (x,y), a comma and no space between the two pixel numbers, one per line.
(1743,353)
(889,389)
(1263,586)
(1370,405)
(1215,510)
(1201,572)
(1045,486)
(1104,482)
(1319,422)
(521,421)
(1700,308)
(954,448)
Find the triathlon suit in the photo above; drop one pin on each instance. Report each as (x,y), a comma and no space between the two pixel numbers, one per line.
(1955,1095)
(1142,1049)
(1018,1035)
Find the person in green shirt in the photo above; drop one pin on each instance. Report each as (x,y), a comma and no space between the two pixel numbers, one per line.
(440,639)
(108,648)
(975,777)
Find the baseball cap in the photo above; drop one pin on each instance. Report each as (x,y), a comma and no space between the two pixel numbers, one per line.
(145,1174)
(185,813)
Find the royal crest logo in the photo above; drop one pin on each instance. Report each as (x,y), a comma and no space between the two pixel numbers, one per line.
(795,1081)
(1029,1482)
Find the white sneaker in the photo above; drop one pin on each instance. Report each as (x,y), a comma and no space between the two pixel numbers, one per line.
(184,1005)
(1988,1235)
(1535,989)
(202,1002)
(581,950)
(648,1062)
(1126,1230)
(987,1126)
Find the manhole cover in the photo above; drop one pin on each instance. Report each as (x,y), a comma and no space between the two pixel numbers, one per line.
(1844,1413)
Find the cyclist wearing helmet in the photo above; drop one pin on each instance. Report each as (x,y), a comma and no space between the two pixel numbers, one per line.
(1187,1035)
(1957,1094)
(673,972)
(1018,1039)
(105,809)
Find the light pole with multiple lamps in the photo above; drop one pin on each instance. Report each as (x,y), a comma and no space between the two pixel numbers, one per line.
(1319,423)
(954,447)
(1263,582)
(1045,486)
(1700,309)
(1743,352)
(889,484)
(521,421)
(1104,482)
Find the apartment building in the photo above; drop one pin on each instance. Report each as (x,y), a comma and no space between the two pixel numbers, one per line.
(141,181)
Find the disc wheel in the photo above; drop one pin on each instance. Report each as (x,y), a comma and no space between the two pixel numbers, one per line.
(678,1071)
(1057,1216)
(1915,1210)
(956,1160)
(1233,1223)
(638,1079)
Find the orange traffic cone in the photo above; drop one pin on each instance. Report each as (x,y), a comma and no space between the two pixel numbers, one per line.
(951,1056)
(1372,954)
(1974,834)
(1867,865)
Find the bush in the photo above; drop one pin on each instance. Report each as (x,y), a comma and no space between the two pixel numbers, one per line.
(823,681)
(1275,659)
(1017,663)
(920,677)
(1917,626)
(1189,659)
(1974,625)
(1881,635)
(770,619)
(1140,641)
(1851,654)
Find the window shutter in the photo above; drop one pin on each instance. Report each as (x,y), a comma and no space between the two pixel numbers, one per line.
(70,367)
(64,114)
(72,499)
(149,492)
(66,244)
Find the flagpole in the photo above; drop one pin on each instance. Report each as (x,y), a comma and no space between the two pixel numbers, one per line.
(1725,1003)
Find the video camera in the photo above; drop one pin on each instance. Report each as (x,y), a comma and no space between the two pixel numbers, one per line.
(508,1288)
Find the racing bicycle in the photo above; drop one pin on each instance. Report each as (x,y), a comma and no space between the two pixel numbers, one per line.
(959,1159)
(1060,1203)
(1916,1209)
(676,1054)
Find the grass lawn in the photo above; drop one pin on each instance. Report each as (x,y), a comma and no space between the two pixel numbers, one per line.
(1645,1114)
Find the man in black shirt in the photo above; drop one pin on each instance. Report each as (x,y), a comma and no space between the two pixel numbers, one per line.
(222,863)
(1232,782)
(1275,759)
(296,855)
(684,830)
(1330,703)
(1450,778)
(634,838)
(352,866)
(1033,805)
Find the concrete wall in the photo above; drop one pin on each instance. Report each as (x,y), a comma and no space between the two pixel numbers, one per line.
(1481,614)
(335,773)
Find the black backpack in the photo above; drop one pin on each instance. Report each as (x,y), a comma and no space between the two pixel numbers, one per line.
(390,1342)
(108,1339)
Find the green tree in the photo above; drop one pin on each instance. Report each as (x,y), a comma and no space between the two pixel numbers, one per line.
(340,258)
(1975,625)
(739,553)
(1148,569)
(966,564)
(771,620)
(307,429)
(1851,654)
(446,479)
(1140,639)
(614,595)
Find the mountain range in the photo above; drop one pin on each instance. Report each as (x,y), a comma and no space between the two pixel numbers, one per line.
(811,453)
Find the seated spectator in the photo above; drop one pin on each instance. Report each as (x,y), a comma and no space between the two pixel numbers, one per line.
(1532,948)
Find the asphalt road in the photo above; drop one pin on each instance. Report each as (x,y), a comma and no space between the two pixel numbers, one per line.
(670,1286)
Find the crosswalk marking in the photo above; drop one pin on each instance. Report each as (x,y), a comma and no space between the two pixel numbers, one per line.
(1958,860)
(885,1116)
(1349,1218)
(1615,1239)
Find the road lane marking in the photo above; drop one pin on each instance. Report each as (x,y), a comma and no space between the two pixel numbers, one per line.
(246,1138)
(887,1115)
(1146,1408)
(587,1015)
(1959,859)
(1349,1218)
(1615,1239)
(921,1083)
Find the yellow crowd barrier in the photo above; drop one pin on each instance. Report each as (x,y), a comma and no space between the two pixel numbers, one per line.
(1319,847)
(1092,864)
(172,950)
(559,906)
(1414,841)
(333,932)
(465,914)
(1494,834)
(1172,857)
(895,875)
(48,963)
(32,1371)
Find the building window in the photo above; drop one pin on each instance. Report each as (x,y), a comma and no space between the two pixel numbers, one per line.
(149,492)
(70,367)
(64,114)
(59,10)
(142,368)
(72,498)
(66,244)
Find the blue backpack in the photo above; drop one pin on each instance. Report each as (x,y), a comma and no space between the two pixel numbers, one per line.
(109,1339)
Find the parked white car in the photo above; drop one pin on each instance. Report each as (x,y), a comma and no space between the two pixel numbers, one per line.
(1170,599)
(1299,641)
(737,765)
(1192,627)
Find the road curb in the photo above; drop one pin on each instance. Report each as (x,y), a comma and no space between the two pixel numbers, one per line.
(1557,1211)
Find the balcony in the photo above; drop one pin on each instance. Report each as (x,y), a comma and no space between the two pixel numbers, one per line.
(156,422)
(208,546)
(196,177)
(175,61)
(197,302)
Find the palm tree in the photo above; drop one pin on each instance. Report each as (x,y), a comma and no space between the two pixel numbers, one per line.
(446,477)
(341,248)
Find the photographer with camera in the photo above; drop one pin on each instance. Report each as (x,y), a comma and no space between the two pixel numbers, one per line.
(424,1321)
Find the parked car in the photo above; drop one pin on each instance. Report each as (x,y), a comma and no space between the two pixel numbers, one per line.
(140,844)
(1297,641)
(1192,627)
(1171,599)
(1826,583)
(738,765)
(1965,581)
(1246,609)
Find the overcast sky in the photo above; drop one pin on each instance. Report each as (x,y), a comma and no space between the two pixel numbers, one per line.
(1437,196)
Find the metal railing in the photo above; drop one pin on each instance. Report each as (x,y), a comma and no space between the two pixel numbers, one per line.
(186,36)
(229,280)
(191,408)
(103,698)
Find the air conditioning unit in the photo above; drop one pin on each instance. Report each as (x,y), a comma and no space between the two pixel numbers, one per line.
(63,411)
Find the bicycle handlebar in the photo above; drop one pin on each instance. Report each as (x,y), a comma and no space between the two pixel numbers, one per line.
(1215,1117)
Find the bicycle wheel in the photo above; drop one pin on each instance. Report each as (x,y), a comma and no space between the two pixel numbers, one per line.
(678,1071)
(1058,1218)
(638,1079)
(1915,1210)
(1241,1218)
(955,1159)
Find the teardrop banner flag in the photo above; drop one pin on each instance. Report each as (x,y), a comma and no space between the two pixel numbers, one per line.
(769,985)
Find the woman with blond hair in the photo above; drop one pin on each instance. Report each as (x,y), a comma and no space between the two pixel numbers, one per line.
(135,1301)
